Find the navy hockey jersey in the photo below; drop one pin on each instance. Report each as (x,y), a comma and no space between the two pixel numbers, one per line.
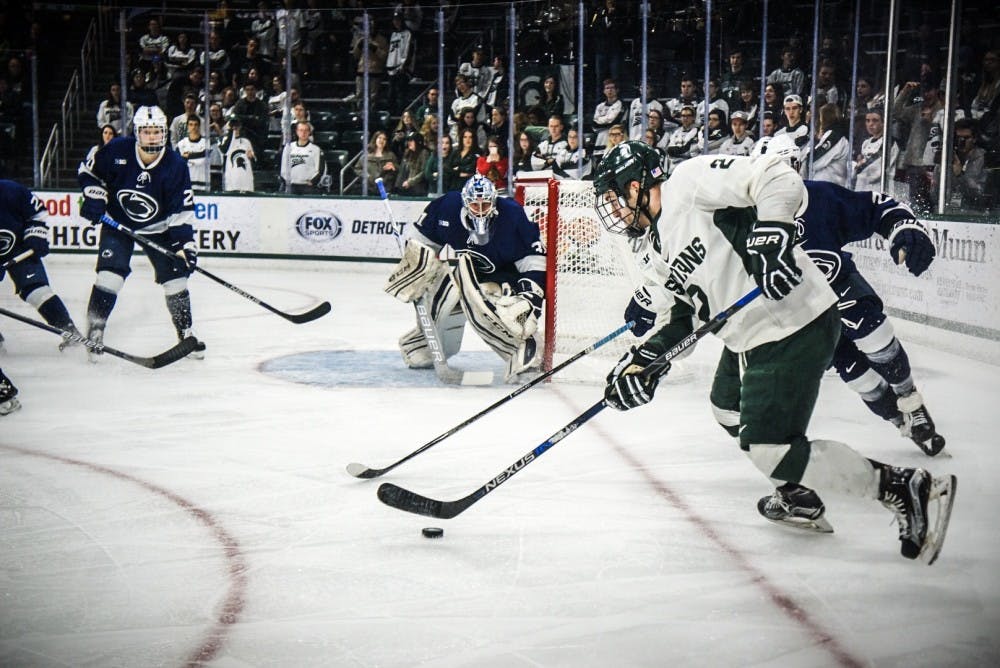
(19,208)
(513,253)
(149,199)
(837,216)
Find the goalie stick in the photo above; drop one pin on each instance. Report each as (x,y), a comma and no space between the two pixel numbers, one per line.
(317,311)
(404,499)
(445,373)
(168,356)
(362,471)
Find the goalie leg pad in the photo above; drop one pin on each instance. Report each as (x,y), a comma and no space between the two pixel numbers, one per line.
(417,272)
(481,312)
(442,311)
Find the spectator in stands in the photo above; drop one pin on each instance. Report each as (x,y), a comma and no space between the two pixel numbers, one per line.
(216,123)
(412,14)
(406,126)
(989,87)
(192,83)
(616,135)
(688,98)
(109,112)
(868,166)
(660,128)
(412,182)
(429,129)
(239,160)
(441,164)
(609,28)
(739,142)
(524,150)
(714,101)
(748,103)
(867,97)
(831,152)
(575,162)
(108,132)
(302,163)
(228,103)
(827,90)
(215,89)
(636,111)
(493,164)
(718,130)
(466,98)
(17,79)
(194,148)
(179,124)
(477,71)
(253,77)
(795,125)
(917,162)
(465,156)
(768,125)
(373,61)
(313,34)
(252,112)
(610,111)
(789,75)
(139,94)
(774,97)
(276,104)
(498,124)
(264,29)
(496,91)
(731,82)
(429,106)
(548,150)
(684,142)
(552,100)
(180,57)
(968,173)
(290,28)
(250,58)
(399,63)
(468,122)
(381,162)
(152,46)
(218,56)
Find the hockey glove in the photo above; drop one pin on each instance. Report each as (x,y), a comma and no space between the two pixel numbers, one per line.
(37,239)
(909,243)
(517,314)
(188,254)
(637,311)
(95,204)
(628,387)
(772,264)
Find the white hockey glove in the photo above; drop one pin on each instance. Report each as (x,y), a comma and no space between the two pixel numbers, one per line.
(517,314)
(627,386)
(417,272)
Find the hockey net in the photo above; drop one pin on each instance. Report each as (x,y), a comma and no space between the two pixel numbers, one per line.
(590,279)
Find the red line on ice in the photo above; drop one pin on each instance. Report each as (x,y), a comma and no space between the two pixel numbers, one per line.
(235,599)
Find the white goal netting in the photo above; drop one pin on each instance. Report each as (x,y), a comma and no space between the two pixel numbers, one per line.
(591,277)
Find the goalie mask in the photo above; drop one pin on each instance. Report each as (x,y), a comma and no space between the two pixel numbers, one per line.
(150,129)
(782,146)
(479,196)
(627,162)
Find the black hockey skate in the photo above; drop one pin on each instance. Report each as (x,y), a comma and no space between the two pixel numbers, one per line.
(8,396)
(199,350)
(922,506)
(918,425)
(795,506)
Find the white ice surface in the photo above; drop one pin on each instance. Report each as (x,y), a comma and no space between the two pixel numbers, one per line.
(202,511)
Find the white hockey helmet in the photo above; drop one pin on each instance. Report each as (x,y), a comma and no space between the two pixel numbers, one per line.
(479,196)
(150,129)
(782,146)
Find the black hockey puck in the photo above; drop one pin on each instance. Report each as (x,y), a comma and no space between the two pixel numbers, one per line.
(432,532)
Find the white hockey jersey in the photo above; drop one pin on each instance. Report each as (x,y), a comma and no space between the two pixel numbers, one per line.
(237,172)
(710,204)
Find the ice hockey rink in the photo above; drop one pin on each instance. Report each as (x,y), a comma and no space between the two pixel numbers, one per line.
(201,514)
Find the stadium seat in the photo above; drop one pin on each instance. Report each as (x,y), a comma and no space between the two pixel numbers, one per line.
(323,120)
(352,140)
(326,139)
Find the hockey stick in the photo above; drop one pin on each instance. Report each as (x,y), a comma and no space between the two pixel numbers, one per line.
(404,499)
(298,318)
(362,471)
(168,356)
(444,372)
(17,258)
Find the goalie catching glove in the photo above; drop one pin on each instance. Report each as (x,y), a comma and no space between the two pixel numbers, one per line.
(772,263)
(634,379)
(417,271)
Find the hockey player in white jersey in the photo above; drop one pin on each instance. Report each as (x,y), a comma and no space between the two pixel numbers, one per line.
(721,226)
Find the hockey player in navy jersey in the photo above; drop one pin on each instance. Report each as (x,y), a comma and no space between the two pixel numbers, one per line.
(141,183)
(497,283)
(24,227)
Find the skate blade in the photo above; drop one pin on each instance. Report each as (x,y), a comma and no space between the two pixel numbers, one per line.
(933,446)
(943,492)
(819,525)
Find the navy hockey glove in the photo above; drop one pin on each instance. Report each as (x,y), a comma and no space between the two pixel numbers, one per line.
(628,387)
(909,238)
(95,204)
(772,264)
(637,312)
(187,252)
(36,238)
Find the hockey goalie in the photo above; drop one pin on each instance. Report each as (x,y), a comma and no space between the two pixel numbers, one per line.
(496,284)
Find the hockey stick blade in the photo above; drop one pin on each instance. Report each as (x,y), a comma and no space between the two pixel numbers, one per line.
(403,499)
(169,356)
(299,318)
(365,472)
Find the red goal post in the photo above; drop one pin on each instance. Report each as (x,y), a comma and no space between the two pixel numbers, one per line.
(590,275)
